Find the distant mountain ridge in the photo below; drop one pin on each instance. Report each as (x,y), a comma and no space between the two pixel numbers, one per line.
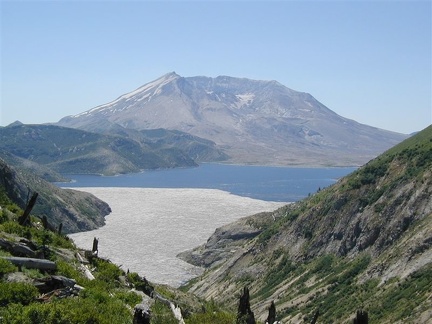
(68,150)
(254,122)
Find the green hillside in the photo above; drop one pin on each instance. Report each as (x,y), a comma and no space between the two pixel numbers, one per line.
(68,150)
(363,243)
(75,210)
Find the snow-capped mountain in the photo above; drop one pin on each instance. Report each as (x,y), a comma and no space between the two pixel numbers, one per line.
(255,122)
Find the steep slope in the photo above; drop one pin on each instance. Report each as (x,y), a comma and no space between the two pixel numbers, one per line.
(365,242)
(37,169)
(257,122)
(77,211)
(68,150)
(44,278)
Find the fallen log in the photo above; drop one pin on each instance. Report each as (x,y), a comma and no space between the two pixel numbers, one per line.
(18,249)
(29,243)
(84,267)
(53,283)
(22,249)
(163,300)
(174,309)
(177,313)
(32,263)
(87,272)
(5,244)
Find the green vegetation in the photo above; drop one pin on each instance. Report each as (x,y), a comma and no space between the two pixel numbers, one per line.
(106,299)
(79,310)
(209,314)
(336,250)
(400,299)
(103,300)
(219,317)
(16,293)
(6,267)
(293,261)
(68,150)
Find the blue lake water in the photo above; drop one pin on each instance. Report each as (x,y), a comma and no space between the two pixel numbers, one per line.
(283,184)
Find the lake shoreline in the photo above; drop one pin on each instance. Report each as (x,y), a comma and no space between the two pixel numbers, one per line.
(148,227)
(265,183)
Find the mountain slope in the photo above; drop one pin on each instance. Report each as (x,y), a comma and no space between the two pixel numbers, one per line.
(37,169)
(68,150)
(198,149)
(258,122)
(77,211)
(365,242)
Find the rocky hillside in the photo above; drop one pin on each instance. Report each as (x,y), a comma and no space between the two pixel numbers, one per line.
(44,278)
(254,122)
(365,242)
(77,211)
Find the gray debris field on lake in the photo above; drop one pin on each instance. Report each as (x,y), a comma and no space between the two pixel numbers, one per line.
(149,227)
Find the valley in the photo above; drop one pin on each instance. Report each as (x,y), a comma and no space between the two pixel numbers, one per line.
(362,243)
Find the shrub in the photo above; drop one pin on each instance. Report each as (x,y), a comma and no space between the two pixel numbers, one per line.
(78,310)
(68,270)
(107,271)
(129,297)
(211,318)
(12,227)
(6,267)
(17,293)
(3,216)
(161,314)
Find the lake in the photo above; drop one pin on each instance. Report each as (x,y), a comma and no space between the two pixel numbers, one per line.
(286,184)
(148,227)
(158,214)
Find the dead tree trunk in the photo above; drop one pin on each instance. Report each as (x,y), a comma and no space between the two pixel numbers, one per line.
(361,317)
(244,312)
(271,314)
(315,318)
(24,219)
(46,225)
(45,222)
(95,246)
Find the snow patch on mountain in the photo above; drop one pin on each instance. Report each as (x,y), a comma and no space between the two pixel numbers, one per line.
(256,122)
(245,99)
(158,84)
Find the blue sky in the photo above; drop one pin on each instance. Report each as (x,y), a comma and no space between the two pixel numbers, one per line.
(366,60)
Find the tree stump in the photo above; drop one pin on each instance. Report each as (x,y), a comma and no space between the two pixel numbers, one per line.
(272,314)
(244,312)
(361,317)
